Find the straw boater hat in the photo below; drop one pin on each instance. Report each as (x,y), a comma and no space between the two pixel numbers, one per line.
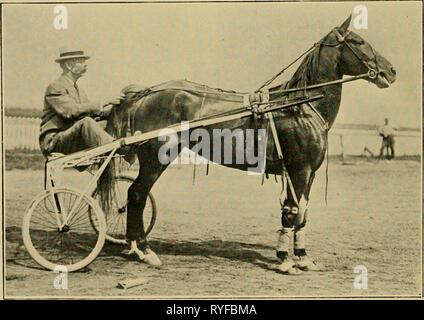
(70,53)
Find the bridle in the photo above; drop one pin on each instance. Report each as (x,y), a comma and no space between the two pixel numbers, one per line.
(341,39)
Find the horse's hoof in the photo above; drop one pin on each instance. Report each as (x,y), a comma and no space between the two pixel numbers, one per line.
(151,258)
(307,264)
(135,252)
(289,267)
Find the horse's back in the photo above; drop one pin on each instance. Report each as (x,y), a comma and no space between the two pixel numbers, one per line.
(191,86)
(181,100)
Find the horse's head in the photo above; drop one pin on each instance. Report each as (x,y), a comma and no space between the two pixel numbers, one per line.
(356,56)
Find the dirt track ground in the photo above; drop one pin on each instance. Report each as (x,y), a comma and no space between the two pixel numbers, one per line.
(217,237)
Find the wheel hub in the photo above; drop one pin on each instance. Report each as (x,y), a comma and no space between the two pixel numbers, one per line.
(121,210)
(64,229)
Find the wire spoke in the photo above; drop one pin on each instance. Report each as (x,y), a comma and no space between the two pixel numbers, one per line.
(48,213)
(47,239)
(116,221)
(79,213)
(83,227)
(51,204)
(69,251)
(53,251)
(78,210)
(49,227)
(81,218)
(70,203)
(120,196)
(123,228)
(44,215)
(83,221)
(40,219)
(79,243)
(115,230)
(86,222)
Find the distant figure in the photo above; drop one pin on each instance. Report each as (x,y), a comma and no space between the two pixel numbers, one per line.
(388,143)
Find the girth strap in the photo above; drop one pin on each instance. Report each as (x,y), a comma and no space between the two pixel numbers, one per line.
(285,174)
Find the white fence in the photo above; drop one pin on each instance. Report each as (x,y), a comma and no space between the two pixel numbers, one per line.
(22,133)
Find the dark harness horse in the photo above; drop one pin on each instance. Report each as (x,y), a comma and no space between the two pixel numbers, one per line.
(302,132)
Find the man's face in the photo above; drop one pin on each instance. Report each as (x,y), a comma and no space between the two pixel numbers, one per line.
(78,66)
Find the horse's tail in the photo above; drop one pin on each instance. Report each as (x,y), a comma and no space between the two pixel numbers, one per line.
(106,187)
(106,184)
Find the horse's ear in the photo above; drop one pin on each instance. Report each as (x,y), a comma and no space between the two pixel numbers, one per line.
(345,25)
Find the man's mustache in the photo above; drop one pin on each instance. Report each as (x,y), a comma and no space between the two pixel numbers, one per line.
(80,70)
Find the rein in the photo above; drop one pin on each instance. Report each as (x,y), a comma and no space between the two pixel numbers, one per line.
(371,74)
(341,39)
(325,84)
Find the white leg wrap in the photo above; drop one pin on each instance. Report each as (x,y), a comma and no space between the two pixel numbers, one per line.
(284,239)
(300,238)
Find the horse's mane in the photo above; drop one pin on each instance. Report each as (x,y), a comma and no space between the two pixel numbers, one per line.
(305,73)
(307,70)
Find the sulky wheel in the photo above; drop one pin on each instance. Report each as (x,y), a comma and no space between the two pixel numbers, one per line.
(116,218)
(51,241)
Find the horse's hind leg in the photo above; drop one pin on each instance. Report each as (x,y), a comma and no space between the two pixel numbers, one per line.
(149,172)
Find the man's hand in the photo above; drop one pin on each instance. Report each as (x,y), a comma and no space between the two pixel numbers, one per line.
(115,99)
(106,110)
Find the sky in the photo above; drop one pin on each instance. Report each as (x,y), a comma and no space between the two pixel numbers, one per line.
(234,46)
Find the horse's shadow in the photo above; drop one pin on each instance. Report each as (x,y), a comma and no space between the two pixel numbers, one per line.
(232,250)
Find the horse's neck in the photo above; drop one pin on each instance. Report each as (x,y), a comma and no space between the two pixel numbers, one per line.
(329,105)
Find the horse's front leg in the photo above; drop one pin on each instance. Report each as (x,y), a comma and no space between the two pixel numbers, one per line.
(304,262)
(293,220)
